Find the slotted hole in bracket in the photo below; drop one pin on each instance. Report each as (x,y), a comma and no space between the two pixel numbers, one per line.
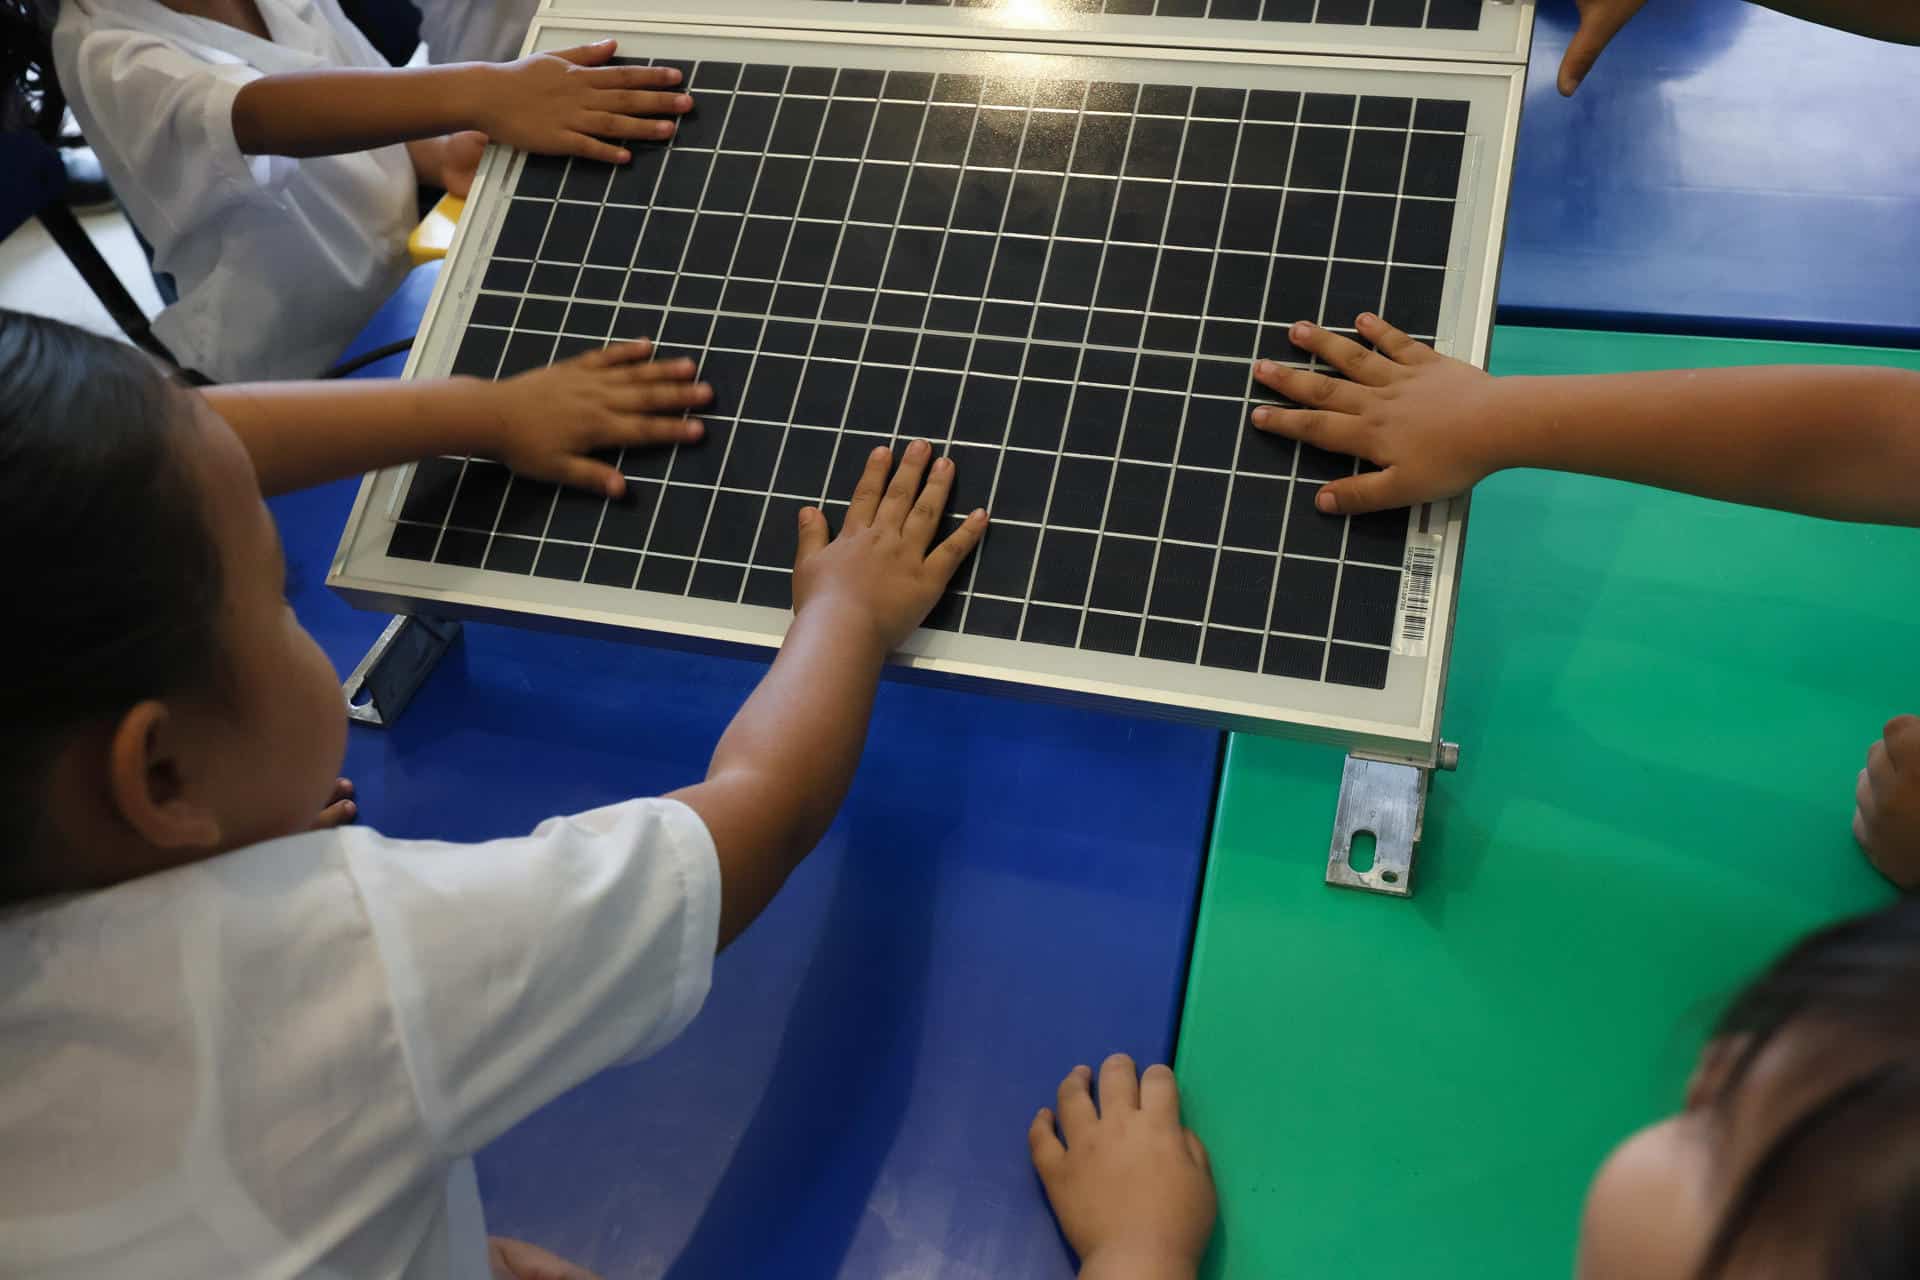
(1391,877)
(1360,854)
(362,697)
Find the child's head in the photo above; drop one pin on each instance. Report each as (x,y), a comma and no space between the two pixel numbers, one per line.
(1798,1153)
(160,702)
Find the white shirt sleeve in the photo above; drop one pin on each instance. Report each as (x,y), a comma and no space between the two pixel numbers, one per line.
(170,115)
(520,967)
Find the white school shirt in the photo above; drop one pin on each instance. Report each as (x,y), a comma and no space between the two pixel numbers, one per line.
(475,30)
(279,262)
(276,1063)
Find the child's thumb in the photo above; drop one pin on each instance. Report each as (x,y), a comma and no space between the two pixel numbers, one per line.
(1357,495)
(813,535)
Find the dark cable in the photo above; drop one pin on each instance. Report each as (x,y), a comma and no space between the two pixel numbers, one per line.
(365,358)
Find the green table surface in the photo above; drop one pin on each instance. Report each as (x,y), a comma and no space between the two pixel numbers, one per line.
(1661,705)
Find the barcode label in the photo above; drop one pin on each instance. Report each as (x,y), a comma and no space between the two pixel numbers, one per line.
(1414,619)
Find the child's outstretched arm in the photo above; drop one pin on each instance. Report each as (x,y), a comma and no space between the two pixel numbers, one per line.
(784,764)
(1131,1186)
(1601,20)
(542,423)
(1836,442)
(562,103)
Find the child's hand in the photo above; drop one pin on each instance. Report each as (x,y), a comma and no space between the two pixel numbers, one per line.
(546,421)
(879,570)
(564,103)
(460,157)
(1886,817)
(511,1259)
(1600,21)
(339,809)
(1132,1187)
(1424,417)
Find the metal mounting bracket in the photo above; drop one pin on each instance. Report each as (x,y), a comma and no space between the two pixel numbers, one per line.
(395,667)
(1386,799)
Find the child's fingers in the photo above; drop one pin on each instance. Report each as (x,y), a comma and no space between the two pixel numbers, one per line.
(1357,495)
(1599,24)
(337,814)
(678,369)
(1159,1095)
(619,353)
(1880,770)
(1368,368)
(588,148)
(1393,343)
(594,477)
(1198,1150)
(905,487)
(1862,833)
(1077,1115)
(654,396)
(634,77)
(1902,736)
(924,520)
(953,551)
(866,494)
(588,55)
(1335,432)
(641,102)
(1315,390)
(1044,1145)
(605,124)
(1863,796)
(813,535)
(650,428)
(1119,1084)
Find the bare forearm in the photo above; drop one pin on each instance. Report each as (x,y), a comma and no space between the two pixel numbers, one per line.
(1840,443)
(301,434)
(1137,1266)
(1897,20)
(785,763)
(317,113)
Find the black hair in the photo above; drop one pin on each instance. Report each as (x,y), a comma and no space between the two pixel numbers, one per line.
(30,96)
(1839,1184)
(114,576)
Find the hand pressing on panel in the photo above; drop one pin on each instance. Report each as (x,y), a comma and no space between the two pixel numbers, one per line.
(567,102)
(884,573)
(546,421)
(1886,816)
(1431,422)
(1131,1186)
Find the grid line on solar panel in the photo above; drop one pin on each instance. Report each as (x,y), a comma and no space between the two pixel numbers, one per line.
(1433,15)
(907,276)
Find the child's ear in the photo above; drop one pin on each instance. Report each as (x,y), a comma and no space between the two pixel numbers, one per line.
(149,776)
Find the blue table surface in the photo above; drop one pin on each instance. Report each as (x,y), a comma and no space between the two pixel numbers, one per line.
(1724,170)
(1008,891)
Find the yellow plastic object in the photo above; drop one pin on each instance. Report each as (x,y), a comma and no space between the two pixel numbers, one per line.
(430,239)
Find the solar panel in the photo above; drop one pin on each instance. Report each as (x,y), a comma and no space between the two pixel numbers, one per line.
(1492,30)
(1432,15)
(1057,267)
